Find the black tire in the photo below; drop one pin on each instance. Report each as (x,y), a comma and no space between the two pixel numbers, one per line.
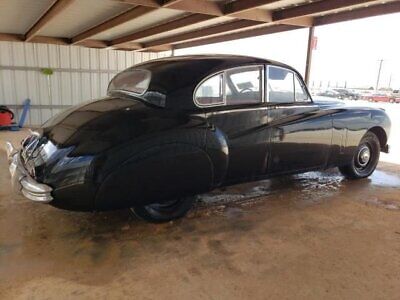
(164,212)
(365,158)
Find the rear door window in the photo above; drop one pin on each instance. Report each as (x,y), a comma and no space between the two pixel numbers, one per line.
(243,85)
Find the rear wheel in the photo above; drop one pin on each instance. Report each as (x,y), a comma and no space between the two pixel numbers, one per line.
(365,158)
(164,212)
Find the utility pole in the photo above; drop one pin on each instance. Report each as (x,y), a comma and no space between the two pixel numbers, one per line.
(390,80)
(379,74)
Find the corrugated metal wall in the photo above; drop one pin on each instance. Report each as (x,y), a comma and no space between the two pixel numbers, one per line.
(79,74)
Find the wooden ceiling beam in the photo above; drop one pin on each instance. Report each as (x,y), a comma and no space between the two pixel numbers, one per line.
(167,3)
(165,27)
(94,43)
(50,40)
(55,9)
(306,21)
(199,7)
(314,8)
(240,9)
(129,15)
(148,3)
(254,14)
(243,9)
(202,33)
(371,11)
(11,37)
(245,5)
(236,35)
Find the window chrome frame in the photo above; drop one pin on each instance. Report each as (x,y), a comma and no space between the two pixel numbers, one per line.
(260,67)
(295,75)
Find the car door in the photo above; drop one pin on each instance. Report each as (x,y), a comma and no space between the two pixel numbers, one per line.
(301,132)
(240,117)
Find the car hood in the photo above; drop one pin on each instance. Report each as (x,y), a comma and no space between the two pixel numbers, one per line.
(98,125)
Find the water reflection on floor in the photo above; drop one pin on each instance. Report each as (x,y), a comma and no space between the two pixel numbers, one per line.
(304,188)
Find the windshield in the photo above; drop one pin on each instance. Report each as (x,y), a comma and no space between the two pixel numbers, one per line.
(132,81)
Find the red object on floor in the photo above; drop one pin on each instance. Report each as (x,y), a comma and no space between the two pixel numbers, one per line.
(5,118)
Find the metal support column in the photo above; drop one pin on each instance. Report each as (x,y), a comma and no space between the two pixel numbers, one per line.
(309,54)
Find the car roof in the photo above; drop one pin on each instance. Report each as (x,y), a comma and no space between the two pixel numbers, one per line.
(174,78)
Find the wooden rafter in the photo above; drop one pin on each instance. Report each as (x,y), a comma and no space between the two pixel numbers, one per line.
(50,14)
(165,27)
(236,35)
(236,9)
(149,3)
(314,8)
(296,16)
(204,32)
(204,10)
(371,11)
(129,15)
(244,5)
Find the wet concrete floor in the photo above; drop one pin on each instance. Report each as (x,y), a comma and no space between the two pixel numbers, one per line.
(308,236)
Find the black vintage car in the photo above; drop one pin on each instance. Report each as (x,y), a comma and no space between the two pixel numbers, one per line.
(177,127)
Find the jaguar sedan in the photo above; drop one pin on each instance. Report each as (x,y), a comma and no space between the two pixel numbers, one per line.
(176,127)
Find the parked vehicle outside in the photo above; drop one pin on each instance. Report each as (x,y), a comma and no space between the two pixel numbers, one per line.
(395,96)
(379,97)
(347,94)
(176,127)
(329,93)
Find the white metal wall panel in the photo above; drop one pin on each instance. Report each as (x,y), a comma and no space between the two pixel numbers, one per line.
(79,74)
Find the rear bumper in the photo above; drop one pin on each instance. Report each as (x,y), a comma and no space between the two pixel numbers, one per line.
(22,182)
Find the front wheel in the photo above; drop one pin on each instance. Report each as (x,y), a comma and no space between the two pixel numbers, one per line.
(365,158)
(164,212)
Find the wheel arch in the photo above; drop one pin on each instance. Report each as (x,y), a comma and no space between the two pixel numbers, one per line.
(381,134)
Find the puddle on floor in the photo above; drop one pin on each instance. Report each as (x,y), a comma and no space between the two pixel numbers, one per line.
(381,178)
(307,188)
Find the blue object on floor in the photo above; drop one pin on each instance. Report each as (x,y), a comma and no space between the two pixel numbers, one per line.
(25,109)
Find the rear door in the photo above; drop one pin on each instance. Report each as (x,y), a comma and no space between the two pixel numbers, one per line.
(240,116)
(301,132)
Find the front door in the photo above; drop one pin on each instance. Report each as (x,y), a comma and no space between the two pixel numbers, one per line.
(301,133)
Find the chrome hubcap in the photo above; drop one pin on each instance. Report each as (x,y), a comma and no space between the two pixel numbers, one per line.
(364,156)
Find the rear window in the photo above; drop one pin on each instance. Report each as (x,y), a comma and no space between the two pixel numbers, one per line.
(131,81)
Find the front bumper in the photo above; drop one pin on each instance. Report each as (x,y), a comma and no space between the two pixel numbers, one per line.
(22,182)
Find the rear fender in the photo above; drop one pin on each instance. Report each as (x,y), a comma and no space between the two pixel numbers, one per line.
(155,175)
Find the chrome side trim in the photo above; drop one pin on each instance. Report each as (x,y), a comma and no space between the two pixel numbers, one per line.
(23,183)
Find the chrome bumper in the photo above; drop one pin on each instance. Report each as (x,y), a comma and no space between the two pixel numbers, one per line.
(22,182)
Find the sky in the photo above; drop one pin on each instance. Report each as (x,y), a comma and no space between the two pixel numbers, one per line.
(347,52)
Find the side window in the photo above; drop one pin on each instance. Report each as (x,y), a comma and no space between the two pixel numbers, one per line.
(280,85)
(210,91)
(300,90)
(243,86)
